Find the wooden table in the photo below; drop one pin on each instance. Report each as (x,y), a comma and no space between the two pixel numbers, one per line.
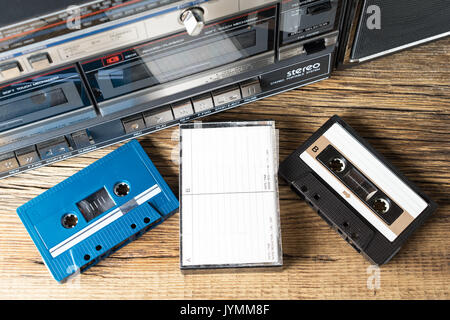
(401,104)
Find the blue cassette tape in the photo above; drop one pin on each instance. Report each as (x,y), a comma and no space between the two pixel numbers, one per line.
(98,210)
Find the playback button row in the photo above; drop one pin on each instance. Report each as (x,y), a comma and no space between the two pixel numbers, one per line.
(184,109)
(44,151)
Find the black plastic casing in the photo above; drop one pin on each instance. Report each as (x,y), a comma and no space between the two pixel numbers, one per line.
(338,213)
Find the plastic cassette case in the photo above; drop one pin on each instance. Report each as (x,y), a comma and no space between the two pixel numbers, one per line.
(98,210)
(356,191)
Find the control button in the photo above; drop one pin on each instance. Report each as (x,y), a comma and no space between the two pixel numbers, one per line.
(40,61)
(82,139)
(331,40)
(53,148)
(182,109)
(314,46)
(112,59)
(133,123)
(27,156)
(8,162)
(193,21)
(226,95)
(203,103)
(158,116)
(250,88)
(10,69)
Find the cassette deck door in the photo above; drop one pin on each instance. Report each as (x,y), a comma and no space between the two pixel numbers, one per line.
(179,62)
(37,105)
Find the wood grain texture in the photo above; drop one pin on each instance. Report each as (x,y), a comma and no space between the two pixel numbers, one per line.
(401,104)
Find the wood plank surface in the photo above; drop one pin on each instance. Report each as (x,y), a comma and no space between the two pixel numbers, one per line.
(401,104)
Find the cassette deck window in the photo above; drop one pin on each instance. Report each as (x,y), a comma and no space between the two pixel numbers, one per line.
(36,102)
(42,98)
(178,56)
(162,67)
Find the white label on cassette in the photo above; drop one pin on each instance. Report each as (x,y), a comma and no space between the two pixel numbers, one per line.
(398,191)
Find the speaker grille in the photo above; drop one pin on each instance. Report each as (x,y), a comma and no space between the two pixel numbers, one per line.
(403,22)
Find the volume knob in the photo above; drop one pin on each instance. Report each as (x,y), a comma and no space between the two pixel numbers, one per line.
(193,21)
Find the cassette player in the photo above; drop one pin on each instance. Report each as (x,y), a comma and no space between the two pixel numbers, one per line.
(126,68)
(109,71)
(98,210)
(356,191)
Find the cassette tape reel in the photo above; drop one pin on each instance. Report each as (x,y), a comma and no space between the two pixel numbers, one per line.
(356,191)
(98,210)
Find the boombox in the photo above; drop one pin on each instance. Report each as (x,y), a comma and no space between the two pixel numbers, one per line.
(80,75)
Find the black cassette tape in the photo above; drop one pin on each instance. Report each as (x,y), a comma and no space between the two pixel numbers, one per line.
(356,191)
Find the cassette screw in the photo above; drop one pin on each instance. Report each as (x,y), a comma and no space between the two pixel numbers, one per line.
(337,164)
(69,221)
(381,205)
(121,189)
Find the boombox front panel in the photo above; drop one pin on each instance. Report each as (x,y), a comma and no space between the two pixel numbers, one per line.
(134,67)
